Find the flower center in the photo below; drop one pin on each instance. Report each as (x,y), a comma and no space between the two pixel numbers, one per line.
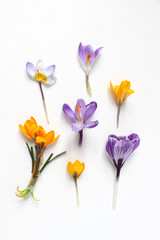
(88,59)
(40,76)
(79,112)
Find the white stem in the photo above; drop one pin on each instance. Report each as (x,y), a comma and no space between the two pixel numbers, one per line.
(115,193)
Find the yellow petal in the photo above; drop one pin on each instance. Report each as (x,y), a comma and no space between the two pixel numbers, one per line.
(39,131)
(75,169)
(23,130)
(40,140)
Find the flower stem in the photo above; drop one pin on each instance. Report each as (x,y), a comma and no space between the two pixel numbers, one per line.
(115,192)
(80,137)
(119,107)
(44,103)
(89,91)
(77,192)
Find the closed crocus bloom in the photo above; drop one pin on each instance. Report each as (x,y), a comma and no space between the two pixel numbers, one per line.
(75,169)
(87,57)
(121,91)
(119,149)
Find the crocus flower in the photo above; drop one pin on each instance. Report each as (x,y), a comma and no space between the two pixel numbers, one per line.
(122,92)
(42,140)
(87,58)
(119,149)
(80,116)
(75,169)
(41,75)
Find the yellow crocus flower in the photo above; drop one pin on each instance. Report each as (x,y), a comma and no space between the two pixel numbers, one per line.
(121,91)
(75,169)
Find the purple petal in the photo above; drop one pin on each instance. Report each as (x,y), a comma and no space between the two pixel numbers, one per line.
(30,68)
(83,52)
(112,140)
(68,111)
(80,53)
(134,138)
(49,70)
(88,50)
(97,52)
(122,150)
(91,124)
(91,108)
(76,127)
(82,103)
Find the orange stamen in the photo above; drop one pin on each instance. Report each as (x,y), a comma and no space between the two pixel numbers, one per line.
(88,59)
(79,112)
(38,72)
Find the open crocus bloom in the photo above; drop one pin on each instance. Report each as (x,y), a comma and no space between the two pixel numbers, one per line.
(119,149)
(121,91)
(32,130)
(75,169)
(87,58)
(81,115)
(41,74)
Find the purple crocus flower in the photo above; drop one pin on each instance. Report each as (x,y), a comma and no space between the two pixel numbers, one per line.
(41,75)
(119,149)
(87,58)
(80,116)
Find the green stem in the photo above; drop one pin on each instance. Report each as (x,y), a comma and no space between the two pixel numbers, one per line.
(89,91)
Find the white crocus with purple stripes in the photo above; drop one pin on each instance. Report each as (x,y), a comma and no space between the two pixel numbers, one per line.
(42,75)
(119,149)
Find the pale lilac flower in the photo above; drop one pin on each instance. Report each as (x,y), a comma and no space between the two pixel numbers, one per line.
(87,58)
(119,149)
(41,75)
(80,116)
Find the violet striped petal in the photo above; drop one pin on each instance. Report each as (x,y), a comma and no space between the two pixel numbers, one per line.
(122,150)
(91,108)
(68,111)
(112,140)
(91,124)
(134,138)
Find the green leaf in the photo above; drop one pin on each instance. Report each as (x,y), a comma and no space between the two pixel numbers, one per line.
(50,160)
(31,153)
